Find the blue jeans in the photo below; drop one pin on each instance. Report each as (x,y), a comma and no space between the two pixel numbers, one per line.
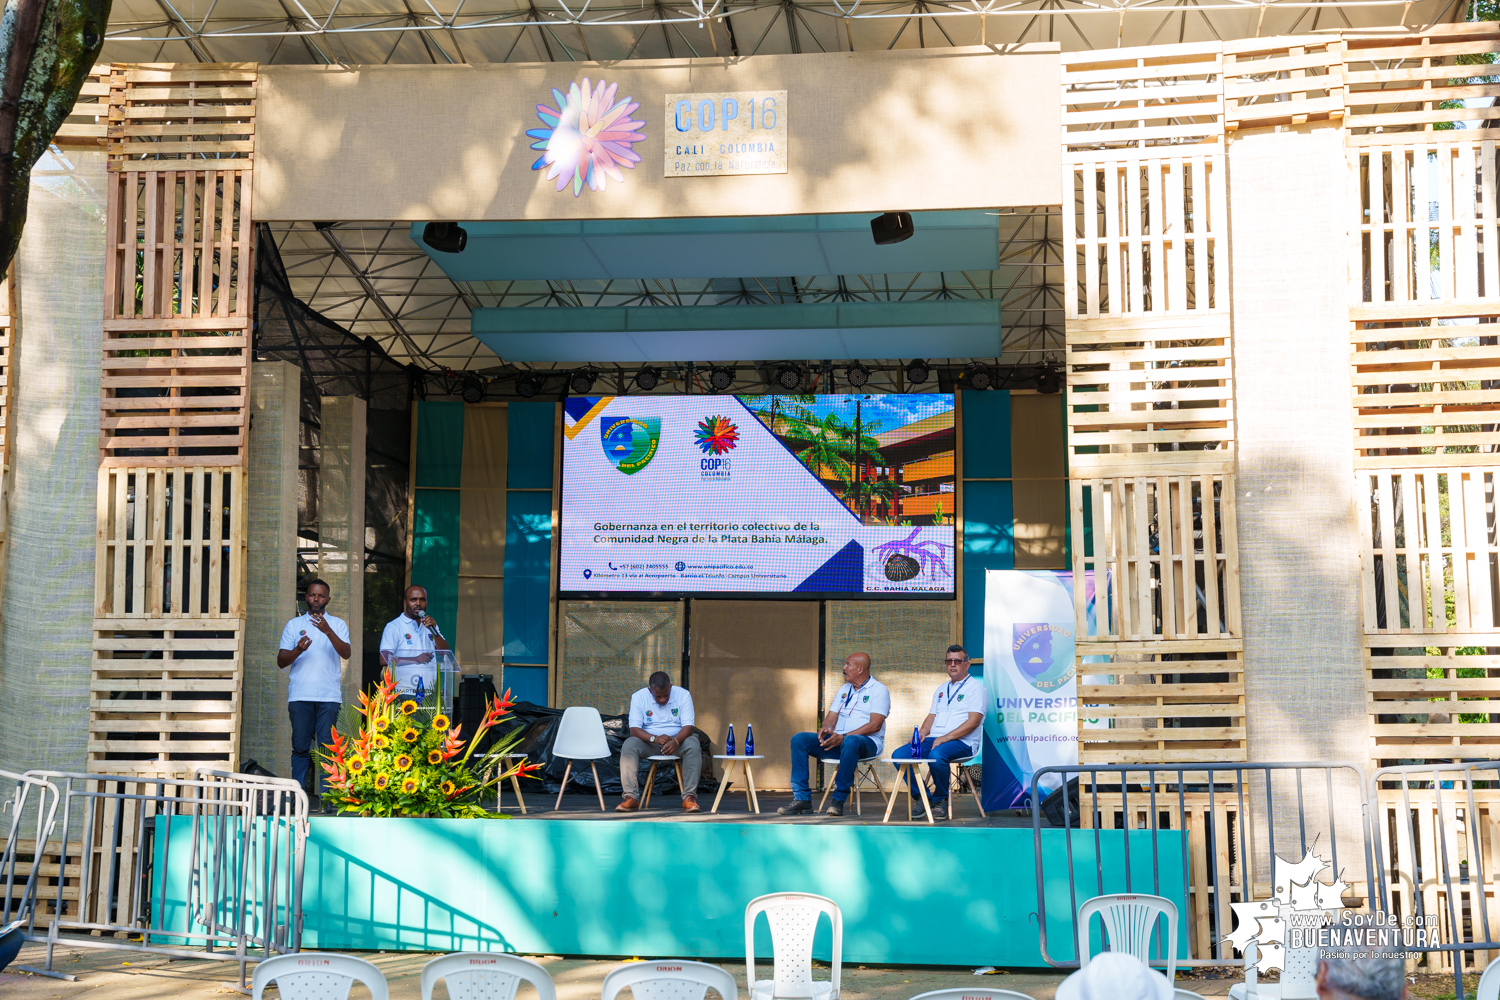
(952,750)
(311,720)
(847,753)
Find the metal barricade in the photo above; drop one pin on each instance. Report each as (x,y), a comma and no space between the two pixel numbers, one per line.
(239,892)
(1222,823)
(23,863)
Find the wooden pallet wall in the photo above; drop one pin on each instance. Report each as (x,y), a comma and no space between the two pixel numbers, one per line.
(168,654)
(1150,406)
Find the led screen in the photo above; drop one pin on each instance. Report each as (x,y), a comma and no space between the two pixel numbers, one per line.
(758,494)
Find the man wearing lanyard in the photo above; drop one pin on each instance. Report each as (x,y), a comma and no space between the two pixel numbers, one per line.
(314,645)
(854,728)
(661,722)
(952,729)
(408,645)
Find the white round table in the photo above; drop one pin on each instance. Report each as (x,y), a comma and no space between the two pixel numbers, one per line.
(751,802)
(904,768)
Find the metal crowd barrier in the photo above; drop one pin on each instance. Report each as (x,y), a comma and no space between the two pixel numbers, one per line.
(239,894)
(33,809)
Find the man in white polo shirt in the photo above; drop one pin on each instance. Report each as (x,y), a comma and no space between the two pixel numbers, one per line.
(407,646)
(853,729)
(314,646)
(953,727)
(661,722)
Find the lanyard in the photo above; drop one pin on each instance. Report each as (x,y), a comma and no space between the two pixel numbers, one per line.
(852,692)
(952,691)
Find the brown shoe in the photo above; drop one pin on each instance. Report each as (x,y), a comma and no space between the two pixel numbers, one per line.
(628,806)
(690,804)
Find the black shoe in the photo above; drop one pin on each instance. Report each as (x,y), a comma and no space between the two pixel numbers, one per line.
(939,811)
(798,807)
(835,808)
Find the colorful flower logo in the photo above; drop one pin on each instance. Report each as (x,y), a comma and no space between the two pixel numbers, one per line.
(716,435)
(588,135)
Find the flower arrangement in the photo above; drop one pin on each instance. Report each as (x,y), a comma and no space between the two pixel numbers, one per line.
(411,761)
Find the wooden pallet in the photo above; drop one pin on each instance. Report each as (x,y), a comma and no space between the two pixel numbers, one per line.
(1183,703)
(1282,81)
(1419,717)
(1396,83)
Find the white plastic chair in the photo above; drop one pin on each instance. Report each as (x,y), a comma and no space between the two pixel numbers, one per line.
(669,979)
(965,777)
(864,771)
(1129,920)
(315,975)
(971,995)
(793,918)
(1489,982)
(580,736)
(485,975)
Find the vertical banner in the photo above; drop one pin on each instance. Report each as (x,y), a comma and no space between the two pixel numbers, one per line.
(1029,669)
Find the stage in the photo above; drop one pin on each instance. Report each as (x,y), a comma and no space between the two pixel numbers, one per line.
(585,883)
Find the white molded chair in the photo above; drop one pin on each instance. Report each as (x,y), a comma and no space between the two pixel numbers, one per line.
(863,771)
(485,975)
(1129,920)
(314,975)
(793,918)
(1489,982)
(670,979)
(985,994)
(580,736)
(964,777)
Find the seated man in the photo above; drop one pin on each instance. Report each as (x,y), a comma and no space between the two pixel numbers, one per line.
(661,722)
(952,729)
(853,728)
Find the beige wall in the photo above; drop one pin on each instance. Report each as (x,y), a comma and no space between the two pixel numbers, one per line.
(868,132)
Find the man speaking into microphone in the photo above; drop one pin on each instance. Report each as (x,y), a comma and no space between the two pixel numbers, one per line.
(408,645)
(313,645)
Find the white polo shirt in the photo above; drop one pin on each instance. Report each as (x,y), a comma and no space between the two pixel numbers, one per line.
(661,720)
(952,703)
(405,638)
(317,672)
(856,705)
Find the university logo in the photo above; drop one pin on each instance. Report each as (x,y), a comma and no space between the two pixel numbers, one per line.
(716,435)
(1032,650)
(630,443)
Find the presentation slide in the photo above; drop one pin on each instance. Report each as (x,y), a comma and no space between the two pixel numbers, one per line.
(784,494)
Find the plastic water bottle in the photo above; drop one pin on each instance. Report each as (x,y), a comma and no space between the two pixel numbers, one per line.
(419,696)
(916,742)
(729,741)
(749,740)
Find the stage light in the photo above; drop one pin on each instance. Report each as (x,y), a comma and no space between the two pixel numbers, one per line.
(892,227)
(647,378)
(721,378)
(789,377)
(917,371)
(473,389)
(857,375)
(978,376)
(1048,379)
(581,381)
(528,385)
(445,237)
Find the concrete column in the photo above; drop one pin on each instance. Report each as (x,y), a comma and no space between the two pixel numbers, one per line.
(275,408)
(341,523)
(47,610)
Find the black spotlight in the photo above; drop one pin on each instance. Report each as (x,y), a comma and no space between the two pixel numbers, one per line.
(892,227)
(917,371)
(445,237)
(647,379)
(1048,379)
(581,381)
(789,377)
(473,391)
(528,385)
(721,378)
(978,376)
(857,375)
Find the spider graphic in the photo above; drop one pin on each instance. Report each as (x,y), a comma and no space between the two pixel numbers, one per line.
(907,558)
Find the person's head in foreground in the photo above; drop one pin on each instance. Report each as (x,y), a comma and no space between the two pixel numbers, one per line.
(1115,975)
(1362,979)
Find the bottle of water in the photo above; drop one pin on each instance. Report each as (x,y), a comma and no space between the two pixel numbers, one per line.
(916,741)
(729,741)
(749,740)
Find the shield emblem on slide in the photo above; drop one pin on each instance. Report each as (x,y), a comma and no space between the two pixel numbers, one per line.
(630,442)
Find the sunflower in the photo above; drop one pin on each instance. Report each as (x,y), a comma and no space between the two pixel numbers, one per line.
(382,724)
(434,756)
(356,765)
(382,780)
(410,735)
(448,788)
(440,723)
(408,707)
(403,762)
(408,786)
(380,742)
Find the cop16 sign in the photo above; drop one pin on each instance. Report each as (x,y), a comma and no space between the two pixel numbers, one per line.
(713,135)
